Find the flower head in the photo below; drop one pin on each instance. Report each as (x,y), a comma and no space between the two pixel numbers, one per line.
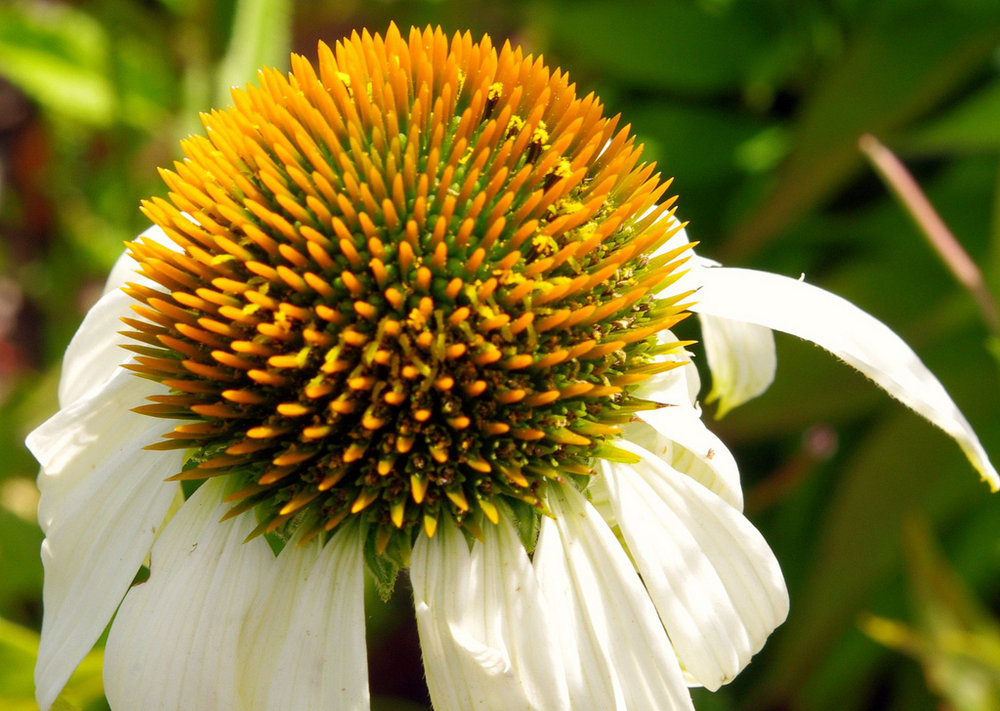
(412,307)
(412,287)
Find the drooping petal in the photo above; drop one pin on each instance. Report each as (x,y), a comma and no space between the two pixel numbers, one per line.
(103,500)
(677,433)
(680,438)
(741,357)
(687,281)
(714,580)
(842,328)
(175,643)
(483,624)
(304,647)
(509,584)
(616,652)
(441,573)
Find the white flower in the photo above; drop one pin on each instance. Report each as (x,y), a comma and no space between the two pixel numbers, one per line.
(644,576)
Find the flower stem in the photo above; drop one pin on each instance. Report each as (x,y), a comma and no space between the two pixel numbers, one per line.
(901,183)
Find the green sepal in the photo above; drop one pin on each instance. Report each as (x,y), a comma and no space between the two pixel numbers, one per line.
(259,530)
(276,542)
(526,518)
(638,404)
(614,454)
(384,567)
(189,486)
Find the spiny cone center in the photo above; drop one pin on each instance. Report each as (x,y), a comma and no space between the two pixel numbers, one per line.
(412,285)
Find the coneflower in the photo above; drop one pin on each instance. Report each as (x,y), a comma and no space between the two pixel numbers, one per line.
(411,308)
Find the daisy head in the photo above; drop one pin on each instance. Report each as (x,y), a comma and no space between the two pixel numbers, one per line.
(412,287)
(410,307)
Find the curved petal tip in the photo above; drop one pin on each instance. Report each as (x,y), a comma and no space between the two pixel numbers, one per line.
(854,336)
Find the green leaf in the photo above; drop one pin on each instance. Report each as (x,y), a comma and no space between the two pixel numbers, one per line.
(680,46)
(261,37)
(58,56)
(667,129)
(896,69)
(993,345)
(146,83)
(18,649)
(973,125)
(22,570)
(954,637)
(901,466)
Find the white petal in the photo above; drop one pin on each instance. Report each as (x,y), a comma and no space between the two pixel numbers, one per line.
(678,386)
(741,357)
(441,574)
(175,643)
(711,575)
(95,352)
(305,645)
(858,338)
(124,269)
(509,583)
(686,281)
(103,499)
(483,624)
(599,496)
(617,654)
(679,436)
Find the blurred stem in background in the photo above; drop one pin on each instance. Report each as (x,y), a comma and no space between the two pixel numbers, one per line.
(955,639)
(909,194)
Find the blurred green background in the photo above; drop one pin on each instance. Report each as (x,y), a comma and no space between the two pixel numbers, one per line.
(890,545)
